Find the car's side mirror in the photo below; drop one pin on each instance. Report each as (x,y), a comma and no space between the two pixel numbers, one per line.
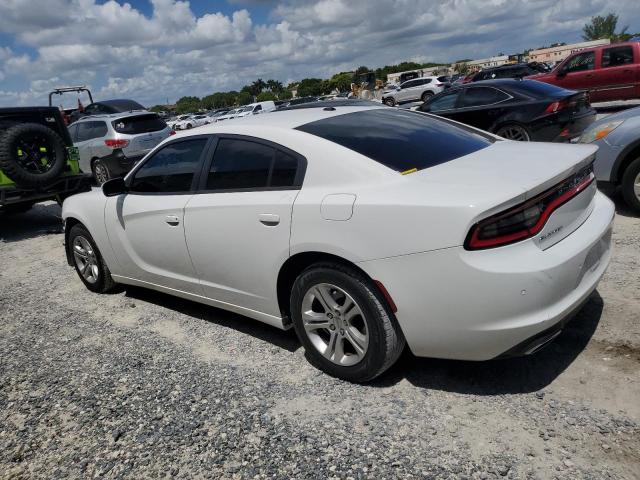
(114,187)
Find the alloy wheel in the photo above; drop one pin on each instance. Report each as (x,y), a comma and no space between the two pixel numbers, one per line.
(86,259)
(101,173)
(513,132)
(636,186)
(335,324)
(35,153)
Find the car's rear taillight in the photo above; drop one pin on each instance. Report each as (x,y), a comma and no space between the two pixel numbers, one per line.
(527,219)
(556,106)
(113,143)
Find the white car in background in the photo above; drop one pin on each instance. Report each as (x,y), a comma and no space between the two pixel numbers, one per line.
(190,121)
(414,230)
(417,89)
(229,115)
(256,108)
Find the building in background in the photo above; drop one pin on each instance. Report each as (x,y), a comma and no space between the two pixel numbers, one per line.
(476,65)
(560,52)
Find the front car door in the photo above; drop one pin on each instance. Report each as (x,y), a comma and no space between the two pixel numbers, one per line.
(616,77)
(146,225)
(238,226)
(404,94)
(577,73)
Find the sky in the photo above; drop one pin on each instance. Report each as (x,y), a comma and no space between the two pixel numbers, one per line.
(155,51)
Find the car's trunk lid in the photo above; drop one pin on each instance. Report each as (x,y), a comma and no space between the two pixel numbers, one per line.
(508,173)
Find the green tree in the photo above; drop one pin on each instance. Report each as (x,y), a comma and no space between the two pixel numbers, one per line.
(310,87)
(605,27)
(275,86)
(188,104)
(341,81)
(285,95)
(157,108)
(244,98)
(265,96)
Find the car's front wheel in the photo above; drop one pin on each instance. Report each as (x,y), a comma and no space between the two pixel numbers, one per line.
(389,101)
(631,185)
(343,322)
(88,261)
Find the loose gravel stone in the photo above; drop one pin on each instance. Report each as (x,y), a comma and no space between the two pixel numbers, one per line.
(138,384)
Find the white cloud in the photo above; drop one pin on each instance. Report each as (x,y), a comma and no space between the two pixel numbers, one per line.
(171,53)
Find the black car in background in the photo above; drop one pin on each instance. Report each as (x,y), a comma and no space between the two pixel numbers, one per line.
(516,70)
(524,110)
(107,107)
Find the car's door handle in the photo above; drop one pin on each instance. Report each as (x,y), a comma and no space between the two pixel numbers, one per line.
(269,219)
(172,220)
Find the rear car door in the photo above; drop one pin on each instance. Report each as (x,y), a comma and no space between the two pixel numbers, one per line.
(146,225)
(87,132)
(615,80)
(238,225)
(578,73)
(405,92)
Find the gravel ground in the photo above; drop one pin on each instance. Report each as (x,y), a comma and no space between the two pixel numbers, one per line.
(142,385)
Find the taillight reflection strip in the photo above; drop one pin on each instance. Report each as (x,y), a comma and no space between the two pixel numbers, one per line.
(475,243)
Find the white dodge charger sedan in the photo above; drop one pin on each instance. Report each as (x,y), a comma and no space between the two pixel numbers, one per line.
(363,228)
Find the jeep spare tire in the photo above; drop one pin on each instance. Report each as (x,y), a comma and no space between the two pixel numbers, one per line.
(31,154)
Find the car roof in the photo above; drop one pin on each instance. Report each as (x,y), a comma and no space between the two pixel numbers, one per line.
(284,119)
(121,103)
(114,116)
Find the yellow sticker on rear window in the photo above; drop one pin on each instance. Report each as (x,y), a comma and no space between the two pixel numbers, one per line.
(411,170)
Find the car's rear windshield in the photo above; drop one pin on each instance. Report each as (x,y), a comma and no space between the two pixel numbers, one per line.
(541,89)
(400,140)
(139,124)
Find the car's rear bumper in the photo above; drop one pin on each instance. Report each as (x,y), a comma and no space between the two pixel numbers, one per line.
(119,163)
(478,305)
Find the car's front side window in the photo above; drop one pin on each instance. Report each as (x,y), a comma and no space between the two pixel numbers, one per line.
(581,62)
(171,169)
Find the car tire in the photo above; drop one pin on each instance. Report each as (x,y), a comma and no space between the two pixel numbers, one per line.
(426,96)
(88,261)
(390,102)
(369,323)
(513,131)
(101,173)
(630,185)
(32,155)
(189,126)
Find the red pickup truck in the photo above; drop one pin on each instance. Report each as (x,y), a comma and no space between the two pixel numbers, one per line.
(609,72)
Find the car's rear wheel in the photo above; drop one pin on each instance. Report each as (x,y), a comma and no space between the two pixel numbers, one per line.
(344,324)
(389,101)
(101,172)
(514,132)
(88,261)
(631,185)
(426,96)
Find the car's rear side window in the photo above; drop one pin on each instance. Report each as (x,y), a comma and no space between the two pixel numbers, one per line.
(400,140)
(244,164)
(139,124)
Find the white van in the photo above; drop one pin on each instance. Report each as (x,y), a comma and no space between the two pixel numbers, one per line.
(255,108)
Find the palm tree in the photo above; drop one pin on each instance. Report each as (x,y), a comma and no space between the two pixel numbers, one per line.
(275,86)
(605,27)
(258,86)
